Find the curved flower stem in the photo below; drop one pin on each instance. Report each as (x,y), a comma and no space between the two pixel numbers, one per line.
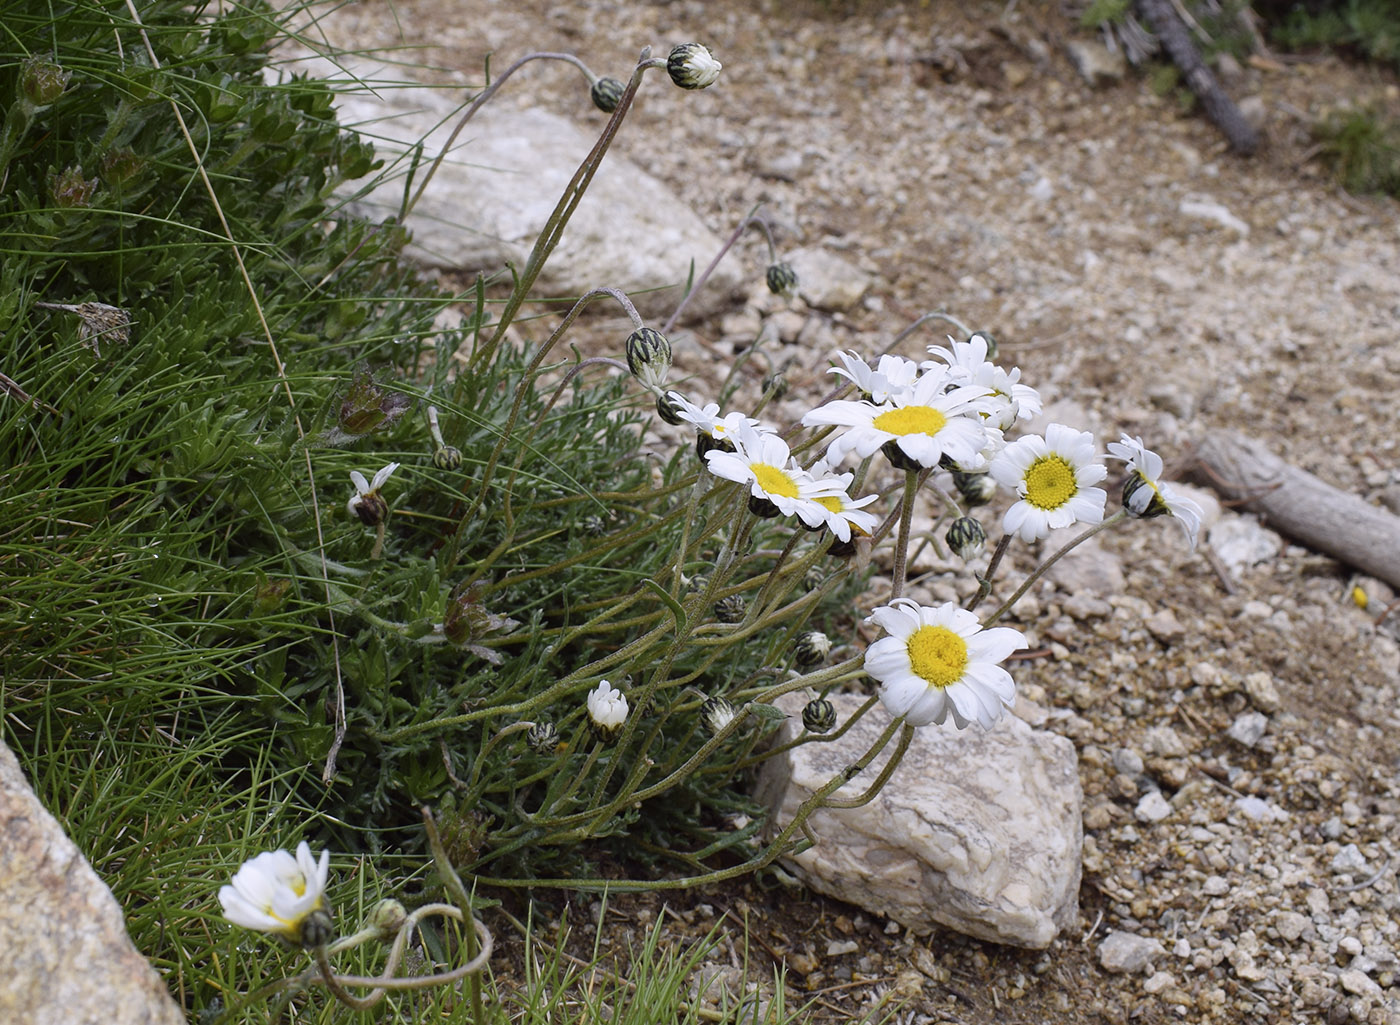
(692,505)
(924,319)
(475,105)
(901,544)
(490,745)
(810,738)
(855,802)
(553,230)
(751,218)
(1113,520)
(984,583)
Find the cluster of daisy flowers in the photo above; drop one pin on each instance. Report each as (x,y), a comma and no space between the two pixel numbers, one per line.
(951,412)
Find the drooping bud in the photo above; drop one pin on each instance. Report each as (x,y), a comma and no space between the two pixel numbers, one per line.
(448,458)
(1150,504)
(763,508)
(388,918)
(543,738)
(606,94)
(975,488)
(717,713)
(819,716)
(782,279)
(966,537)
(668,410)
(776,382)
(648,356)
(692,66)
(898,458)
(731,609)
(811,649)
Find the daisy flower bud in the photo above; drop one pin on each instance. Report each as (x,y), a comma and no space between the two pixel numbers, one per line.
(367,503)
(607,709)
(667,409)
(782,279)
(283,895)
(42,81)
(975,488)
(388,917)
(448,458)
(697,583)
(543,738)
(966,537)
(606,94)
(648,357)
(594,525)
(692,66)
(717,713)
(819,716)
(811,649)
(731,609)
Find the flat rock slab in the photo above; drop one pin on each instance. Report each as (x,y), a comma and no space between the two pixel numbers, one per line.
(492,195)
(68,959)
(977,831)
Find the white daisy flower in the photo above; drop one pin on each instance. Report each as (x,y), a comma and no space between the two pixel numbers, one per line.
(892,375)
(842,511)
(967,363)
(1052,475)
(1146,494)
(711,429)
(607,708)
(366,502)
(276,893)
(925,423)
(763,461)
(939,661)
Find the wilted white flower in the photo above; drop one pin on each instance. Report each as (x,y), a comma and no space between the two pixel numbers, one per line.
(1052,475)
(939,661)
(891,375)
(276,892)
(367,503)
(607,708)
(1144,492)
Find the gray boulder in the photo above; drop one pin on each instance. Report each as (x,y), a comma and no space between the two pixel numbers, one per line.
(493,193)
(977,831)
(68,959)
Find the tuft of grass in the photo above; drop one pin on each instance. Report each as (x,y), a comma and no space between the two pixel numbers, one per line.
(1362,146)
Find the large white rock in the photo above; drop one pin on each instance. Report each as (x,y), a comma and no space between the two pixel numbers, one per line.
(977,831)
(68,960)
(493,193)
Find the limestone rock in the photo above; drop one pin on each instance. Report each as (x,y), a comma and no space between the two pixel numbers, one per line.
(977,831)
(828,281)
(1096,64)
(494,192)
(1128,952)
(68,960)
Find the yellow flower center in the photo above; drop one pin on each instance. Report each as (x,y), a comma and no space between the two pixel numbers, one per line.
(831,503)
(1050,482)
(937,655)
(298,884)
(911,420)
(774,480)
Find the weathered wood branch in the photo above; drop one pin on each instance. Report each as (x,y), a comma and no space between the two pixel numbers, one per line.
(1175,38)
(1301,506)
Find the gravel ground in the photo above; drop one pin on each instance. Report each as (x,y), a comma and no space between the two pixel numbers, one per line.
(1236,726)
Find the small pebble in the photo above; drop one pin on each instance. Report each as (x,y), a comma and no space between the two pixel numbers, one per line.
(1249,728)
(1159,981)
(1349,859)
(1290,925)
(1215,886)
(1152,808)
(838,947)
(1127,952)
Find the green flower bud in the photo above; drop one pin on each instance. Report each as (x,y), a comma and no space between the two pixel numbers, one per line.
(782,279)
(448,458)
(121,167)
(648,356)
(819,716)
(966,537)
(811,649)
(594,525)
(606,94)
(667,410)
(1155,505)
(70,190)
(697,583)
(763,508)
(388,917)
(692,66)
(731,609)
